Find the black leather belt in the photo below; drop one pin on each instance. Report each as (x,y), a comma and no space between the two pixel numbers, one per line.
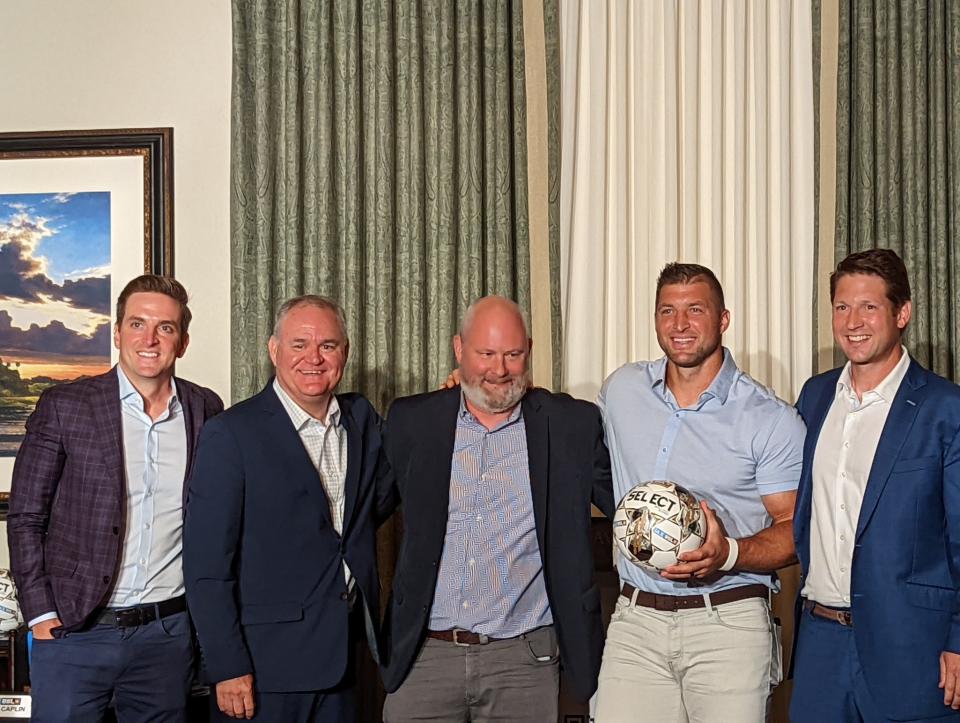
(672,603)
(837,615)
(142,614)
(461,637)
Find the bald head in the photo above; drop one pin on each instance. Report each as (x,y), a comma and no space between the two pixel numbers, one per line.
(493,351)
(497,310)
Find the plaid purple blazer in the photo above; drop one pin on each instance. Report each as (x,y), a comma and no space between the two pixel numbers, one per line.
(65,527)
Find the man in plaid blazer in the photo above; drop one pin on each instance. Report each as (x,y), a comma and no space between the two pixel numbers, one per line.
(95,523)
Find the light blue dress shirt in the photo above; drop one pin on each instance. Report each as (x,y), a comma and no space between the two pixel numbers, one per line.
(490,579)
(155,462)
(735,445)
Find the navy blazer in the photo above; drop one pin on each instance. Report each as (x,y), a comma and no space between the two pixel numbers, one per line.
(262,562)
(68,501)
(905,578)
(569,467)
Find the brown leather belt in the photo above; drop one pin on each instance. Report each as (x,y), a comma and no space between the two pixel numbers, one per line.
(672,603)
(461,637)
(836,615)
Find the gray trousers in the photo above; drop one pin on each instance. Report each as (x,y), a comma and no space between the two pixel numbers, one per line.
(505,680)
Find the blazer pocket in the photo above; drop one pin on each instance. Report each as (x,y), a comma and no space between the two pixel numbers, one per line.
(273,613)
(917,463)
(931,597)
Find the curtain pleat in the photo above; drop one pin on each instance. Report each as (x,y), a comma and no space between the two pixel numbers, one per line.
(687,135)
(379,157)
(898,157)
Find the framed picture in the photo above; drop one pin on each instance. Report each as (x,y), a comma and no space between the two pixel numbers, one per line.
(81,213)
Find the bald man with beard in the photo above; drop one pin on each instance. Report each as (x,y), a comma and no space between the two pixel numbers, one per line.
(494,588)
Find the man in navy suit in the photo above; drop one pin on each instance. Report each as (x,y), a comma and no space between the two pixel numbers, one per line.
(279,543)
(877,523)
(96,513)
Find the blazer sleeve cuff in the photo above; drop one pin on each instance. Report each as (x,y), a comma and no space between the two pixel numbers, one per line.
(227,664)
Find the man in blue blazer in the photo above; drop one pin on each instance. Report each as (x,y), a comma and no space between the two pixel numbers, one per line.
(877,523)
(279,543)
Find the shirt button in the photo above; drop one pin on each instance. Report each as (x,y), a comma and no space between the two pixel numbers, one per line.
(472,562)
(843,506)
(663,449)
(843,569)
(843,474)
(146,526)
(843,538)
(846,445)
(466,604)
(479,518)
(143,561)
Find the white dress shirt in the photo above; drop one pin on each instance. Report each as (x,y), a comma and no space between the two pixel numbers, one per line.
(841,467)
(326,444)
(155,462)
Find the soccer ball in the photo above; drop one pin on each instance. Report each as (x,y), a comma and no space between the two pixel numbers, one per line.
(656,521)
(10,618)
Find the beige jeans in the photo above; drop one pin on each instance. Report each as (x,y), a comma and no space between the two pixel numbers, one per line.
(513,680)
(707,665)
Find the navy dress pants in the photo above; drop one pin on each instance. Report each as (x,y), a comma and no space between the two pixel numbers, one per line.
(145,671)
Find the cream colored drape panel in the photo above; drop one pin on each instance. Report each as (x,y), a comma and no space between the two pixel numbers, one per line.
(687,135)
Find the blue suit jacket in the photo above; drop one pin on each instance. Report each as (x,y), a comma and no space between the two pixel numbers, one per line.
(906,562)
(262,561)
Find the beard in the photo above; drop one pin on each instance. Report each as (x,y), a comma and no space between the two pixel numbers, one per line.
(495,401)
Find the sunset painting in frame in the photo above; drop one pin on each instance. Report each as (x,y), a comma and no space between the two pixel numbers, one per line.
(54,298)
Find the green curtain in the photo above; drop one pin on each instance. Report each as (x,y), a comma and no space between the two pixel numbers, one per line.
(898,160)
(378,157)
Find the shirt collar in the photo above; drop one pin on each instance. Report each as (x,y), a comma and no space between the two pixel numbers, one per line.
(887,389)
(130,395)
(719,388)
(300,417)
(467,415)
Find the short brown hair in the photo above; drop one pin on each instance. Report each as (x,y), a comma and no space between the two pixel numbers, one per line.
(677,273)
(876,262)
(153,284)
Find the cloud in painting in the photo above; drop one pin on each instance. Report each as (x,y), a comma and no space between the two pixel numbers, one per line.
(54,338)
(23,272)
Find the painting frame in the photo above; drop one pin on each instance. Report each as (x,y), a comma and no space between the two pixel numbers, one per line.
(150,207)
(153,145)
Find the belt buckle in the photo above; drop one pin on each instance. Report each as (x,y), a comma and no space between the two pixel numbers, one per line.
(456,640)
(128,617)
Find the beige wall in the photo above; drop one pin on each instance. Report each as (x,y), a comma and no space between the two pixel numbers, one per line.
(137,63)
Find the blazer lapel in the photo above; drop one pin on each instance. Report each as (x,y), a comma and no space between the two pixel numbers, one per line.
(193,420)
(430,468)
(289,448)
(819,406)
(537,424)
(354,463)
(903,413)
(105,406)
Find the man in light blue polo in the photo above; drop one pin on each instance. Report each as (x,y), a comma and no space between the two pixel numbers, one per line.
(697,641)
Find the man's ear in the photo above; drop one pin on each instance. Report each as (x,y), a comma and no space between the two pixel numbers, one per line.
(458,347)
(272,349)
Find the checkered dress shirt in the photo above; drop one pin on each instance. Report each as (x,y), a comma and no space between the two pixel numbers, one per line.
(326,444)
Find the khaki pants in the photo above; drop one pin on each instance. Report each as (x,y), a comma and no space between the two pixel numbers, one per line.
(506,680)
(706,665)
